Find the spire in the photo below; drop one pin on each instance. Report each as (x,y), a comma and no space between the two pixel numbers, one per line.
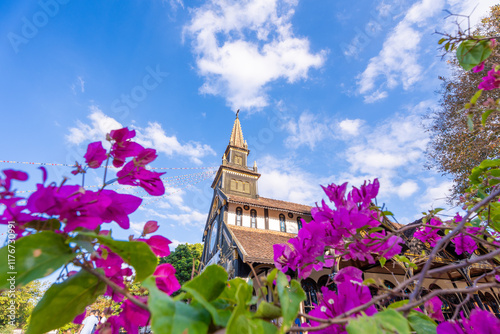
(237,135)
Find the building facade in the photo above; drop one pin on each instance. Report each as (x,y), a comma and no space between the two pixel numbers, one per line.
(242,227)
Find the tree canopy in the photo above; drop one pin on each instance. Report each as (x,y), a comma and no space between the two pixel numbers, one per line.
(182,260)
(453,149)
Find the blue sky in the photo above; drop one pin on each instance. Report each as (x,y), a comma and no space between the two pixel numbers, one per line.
(329,91)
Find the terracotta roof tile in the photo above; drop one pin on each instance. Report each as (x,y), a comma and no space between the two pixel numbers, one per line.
(256,245)
(271,203)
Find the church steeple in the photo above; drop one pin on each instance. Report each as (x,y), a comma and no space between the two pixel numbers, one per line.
(236,138)
(234,175)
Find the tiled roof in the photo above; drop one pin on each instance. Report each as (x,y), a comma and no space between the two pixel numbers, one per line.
(256,245)
(271,203)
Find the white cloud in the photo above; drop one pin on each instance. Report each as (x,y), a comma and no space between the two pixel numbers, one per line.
(99,126)
(242,46)
(350,127)
(193,218)
(282,180)
(152,136)
(436,194)
(407,189)
(398,63)
(307,130)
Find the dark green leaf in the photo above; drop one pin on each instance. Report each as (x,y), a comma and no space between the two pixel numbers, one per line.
(229,294)
(34,256)
(268,311)
(290,295)
(62,302)
(172,317)
(209,284)
(421,323)
(472,53)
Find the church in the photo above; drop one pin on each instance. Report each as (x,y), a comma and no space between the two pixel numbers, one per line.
(242,227)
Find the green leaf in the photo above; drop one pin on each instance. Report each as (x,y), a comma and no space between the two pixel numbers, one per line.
(169,316)
(136,253)
(421,323)
(229,294)
(472,53)
(382,261)
(290,295)
(476,96)
(388,321)
(207,287)
(62,302)
(33,256)
(44,225)
(209,284)
(485,115)
(267,311)
(398,304)
(470,123)
(387,213)
(369,281)
(442,40)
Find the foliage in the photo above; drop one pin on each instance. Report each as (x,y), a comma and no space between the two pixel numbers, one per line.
(453,149)
(25,299)
(182,260)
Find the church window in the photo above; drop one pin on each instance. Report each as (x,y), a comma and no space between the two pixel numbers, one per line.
(310,288)
(247,187)
(282,223)
(239,212)
(233,184)
(238,160)
(299,223)
(239,185)
(253,218)
(213,235)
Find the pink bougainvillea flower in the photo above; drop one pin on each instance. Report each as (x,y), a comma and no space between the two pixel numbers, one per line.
(95,155)
(158,244)
(111,326)
(429,234)
(145,157)
(139,176)
(450,327)
(150,227)
(388,248)
(483,322)
(123,148)
(165,278)
(133,316)
(284,257)
(79,169)
(464,243)
(11,174)
(79,318)
(491,81)
(478,68)
(336,193)
(122,135)
(348,274)
(120,207)
(433,307)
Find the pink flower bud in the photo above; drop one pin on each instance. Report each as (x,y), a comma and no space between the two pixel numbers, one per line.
(150,227)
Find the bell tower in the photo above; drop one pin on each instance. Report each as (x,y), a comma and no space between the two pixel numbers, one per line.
(234,176)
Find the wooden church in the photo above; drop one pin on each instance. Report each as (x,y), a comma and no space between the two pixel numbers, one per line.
(242,227)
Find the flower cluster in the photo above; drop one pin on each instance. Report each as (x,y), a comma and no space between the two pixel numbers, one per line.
(334,232)
(351,293)
(492,80)
(464,242)
(479,322)
(70,209)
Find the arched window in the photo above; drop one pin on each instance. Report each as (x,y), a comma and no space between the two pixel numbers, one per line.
(253,218)
(239,212)
(213,235)
(310,289)
(299,223)
(323,281)
(282,223)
